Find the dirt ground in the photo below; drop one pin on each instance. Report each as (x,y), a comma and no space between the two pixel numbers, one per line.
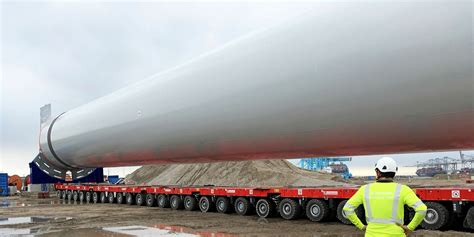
(70,219)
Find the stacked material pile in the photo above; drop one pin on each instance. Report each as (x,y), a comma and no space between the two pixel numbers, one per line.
(262,173)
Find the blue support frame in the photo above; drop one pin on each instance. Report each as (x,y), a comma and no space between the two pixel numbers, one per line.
(37,176)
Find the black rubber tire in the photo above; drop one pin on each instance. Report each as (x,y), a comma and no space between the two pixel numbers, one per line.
(469,220)
(75,196)
(95,197)
(242,206)
(290,209)
(69,195)
(176,203)
(103,198)
(82,196)
(129,199)
(223,205)
(206,204)
(190,203)
(150,200)
(341,216)
(88,197)
(360,212)
(163,201)
(317,210)
(437,216)
(409,213)
(265,208)
(111,198)
(120,198)
(63,194)
(140,199)
(58,194)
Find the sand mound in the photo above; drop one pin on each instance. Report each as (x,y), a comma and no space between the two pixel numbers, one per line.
(243,173)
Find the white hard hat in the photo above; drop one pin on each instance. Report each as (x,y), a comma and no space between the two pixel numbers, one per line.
(386,164)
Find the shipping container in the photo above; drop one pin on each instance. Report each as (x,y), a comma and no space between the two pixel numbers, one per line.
(113,179)
(4,191)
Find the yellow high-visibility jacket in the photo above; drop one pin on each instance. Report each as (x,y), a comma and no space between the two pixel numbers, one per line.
(384,208)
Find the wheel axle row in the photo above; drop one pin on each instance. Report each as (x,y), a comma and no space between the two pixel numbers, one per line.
(288,208)
(439,216)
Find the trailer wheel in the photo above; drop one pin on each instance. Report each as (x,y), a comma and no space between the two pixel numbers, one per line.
(129,199)
(111,197)
(469,220)
(58,194)
(341,216)
(176,202)
(205,204)
(223,205)
(150,200)
(95,197)
(81,196)
(163,201)
(242,206)
(437,216)
(69,195)
(408,215)
(140,199)
(75,196)
(190,203)
(88,197)
(120,199)
(63,194)
(317,210)
(290,209)
(265,208)
(103,197)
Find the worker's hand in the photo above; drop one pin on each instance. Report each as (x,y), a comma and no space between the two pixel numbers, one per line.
(364,228)
(405,229)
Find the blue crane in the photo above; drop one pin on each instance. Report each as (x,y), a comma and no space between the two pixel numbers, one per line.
(322,163)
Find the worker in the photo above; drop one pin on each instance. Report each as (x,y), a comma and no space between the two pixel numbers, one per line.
(384,203)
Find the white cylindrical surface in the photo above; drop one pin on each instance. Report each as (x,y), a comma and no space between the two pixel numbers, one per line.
(346,79)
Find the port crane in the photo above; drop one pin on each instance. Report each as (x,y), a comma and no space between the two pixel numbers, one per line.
(327,164)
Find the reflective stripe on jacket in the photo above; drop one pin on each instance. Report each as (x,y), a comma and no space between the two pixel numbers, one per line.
(384,208)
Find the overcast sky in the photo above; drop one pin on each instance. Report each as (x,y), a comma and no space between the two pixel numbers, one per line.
(68,54)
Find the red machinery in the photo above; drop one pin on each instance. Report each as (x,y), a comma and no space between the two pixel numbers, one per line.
(15,180)
(445,205)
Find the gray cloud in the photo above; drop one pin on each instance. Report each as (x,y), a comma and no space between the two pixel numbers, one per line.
(68,54)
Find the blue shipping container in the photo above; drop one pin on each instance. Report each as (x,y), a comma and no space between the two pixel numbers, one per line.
(4,184)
